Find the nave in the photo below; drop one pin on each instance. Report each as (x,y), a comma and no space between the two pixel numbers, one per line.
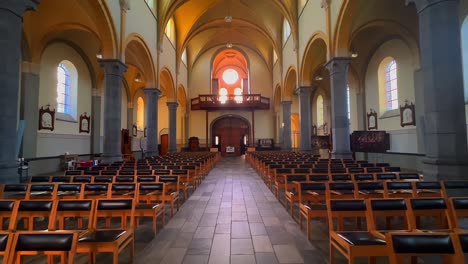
(233,217)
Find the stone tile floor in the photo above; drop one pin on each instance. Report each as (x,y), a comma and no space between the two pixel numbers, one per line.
(233,218)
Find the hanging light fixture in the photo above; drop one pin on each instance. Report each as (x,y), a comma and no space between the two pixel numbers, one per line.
(138,77)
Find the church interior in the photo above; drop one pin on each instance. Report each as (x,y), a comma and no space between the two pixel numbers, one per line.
(233,131)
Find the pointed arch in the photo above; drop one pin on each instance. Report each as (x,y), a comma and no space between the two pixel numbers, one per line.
(137,52)
(167,83)
(290,83)
(314,55)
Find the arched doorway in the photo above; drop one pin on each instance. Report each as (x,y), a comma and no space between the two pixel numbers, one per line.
(230,134)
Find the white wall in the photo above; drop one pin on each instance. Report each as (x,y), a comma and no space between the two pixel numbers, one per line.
(66,136)
(402,139)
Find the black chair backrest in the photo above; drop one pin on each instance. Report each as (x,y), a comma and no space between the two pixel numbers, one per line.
(6,205)
(40,179)
(388,204)
(341,177)
(179,172)
(42,188)
(162,172)
(144,172)
(319,178)
(363,177)
(74,205)
(426,204)
(44,242)
(69,187)
(3,241)
(301,171)
(109,172)
(115,204)
(82,179)
(392,169)
(338,170)
(127,172)
(283,171)
(73,172)
(320,170)
(96,187)
(15,188)
(313,186)
(386,176)
(102,179)
(408,176)
(428,185)
(151,186)
(463,238)
(341,186)
(146,178)
(35,206)
(291,178)
(460,203)
(374,169)
(399,185)
(123,187)
(370,186)
(348,205)
(455,184)
(168,178)
(58,179)
(124,178)
(92,172)
(356,170)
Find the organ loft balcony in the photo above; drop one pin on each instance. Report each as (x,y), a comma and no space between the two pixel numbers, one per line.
(213,102)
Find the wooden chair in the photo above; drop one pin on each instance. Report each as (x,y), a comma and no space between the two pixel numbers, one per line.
(82,179)
(31,210)
(51,244)
(146,178)
(172,191)
(408,176)
(6,245)
(311,197)
(150,203)
(404,245)
(291,191)
(435,208)
(428,189)
(61,179)
(370,190)
(41,191)
(14,191)
(122,190)
(69,191)
(352,244)
(341,190)
(399,189)
(110,240)
(79,210)
(124,179)
(387,209)
(459,210)
(39,179)
(95,191)
(8,211)
(455,188)
(185,184)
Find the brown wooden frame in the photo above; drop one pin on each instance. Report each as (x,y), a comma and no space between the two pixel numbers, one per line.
(373,114)
(50,112)
(407,107)
(84,117)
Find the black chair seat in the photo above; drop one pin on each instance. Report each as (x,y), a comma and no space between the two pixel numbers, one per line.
(361,239)
(102,236)
(143,206)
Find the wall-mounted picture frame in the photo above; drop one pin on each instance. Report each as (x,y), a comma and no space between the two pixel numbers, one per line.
(85,123)
(144,132)
(407,114)
(134,130)
(46,118)
(372,120)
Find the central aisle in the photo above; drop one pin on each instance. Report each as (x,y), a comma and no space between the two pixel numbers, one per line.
(231,218)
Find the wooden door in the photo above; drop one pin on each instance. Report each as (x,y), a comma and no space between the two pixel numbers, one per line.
(164,144)
(231,132)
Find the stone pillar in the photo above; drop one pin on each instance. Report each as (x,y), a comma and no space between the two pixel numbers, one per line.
(29,107)
(11,18)
(305,115)
(113,70)
(441,65)
(338,68)
(130,116)
(172,106)
(287,140)
(152,97)
(96,103)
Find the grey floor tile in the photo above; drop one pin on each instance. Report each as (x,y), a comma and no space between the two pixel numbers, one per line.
(287,254)
(241,247)
(240,230)
(204,232)
(174,256)
(266,258)
(262,244)
(243,259)
(257,229)
(196,259)
(200,246)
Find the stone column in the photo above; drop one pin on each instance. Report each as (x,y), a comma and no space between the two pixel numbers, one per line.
(29,107)
(172,106)
(11,18)
(130,116)
(96,103)
(152,97)
(305,115)
(441,64)
(338,68)
(113,70)
(287,140)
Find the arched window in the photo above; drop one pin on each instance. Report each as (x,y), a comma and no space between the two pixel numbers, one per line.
(184,56)
(140,113)
(349,103)
(63,89)
(391,85)
(223,95)
(238,95)
(170,30)
(230,76)
(286,30)
(320,113)
(67,88)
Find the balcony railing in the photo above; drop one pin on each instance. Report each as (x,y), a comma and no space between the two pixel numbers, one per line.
(232,102)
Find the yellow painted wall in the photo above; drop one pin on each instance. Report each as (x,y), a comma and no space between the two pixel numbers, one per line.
(312,19)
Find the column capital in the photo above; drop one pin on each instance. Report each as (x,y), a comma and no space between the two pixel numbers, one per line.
(172,105)
(113,66)
(423,4)
(18,7)
(151,91)
(338,65)
(305,90)
(29,67)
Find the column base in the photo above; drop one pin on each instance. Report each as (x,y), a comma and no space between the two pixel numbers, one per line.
(341,155)
(9,173)
(434,169)
(111,157)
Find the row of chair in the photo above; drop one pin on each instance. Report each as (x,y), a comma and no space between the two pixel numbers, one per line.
(377,239)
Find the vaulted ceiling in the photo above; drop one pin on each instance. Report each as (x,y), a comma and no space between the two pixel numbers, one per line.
(202,25)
